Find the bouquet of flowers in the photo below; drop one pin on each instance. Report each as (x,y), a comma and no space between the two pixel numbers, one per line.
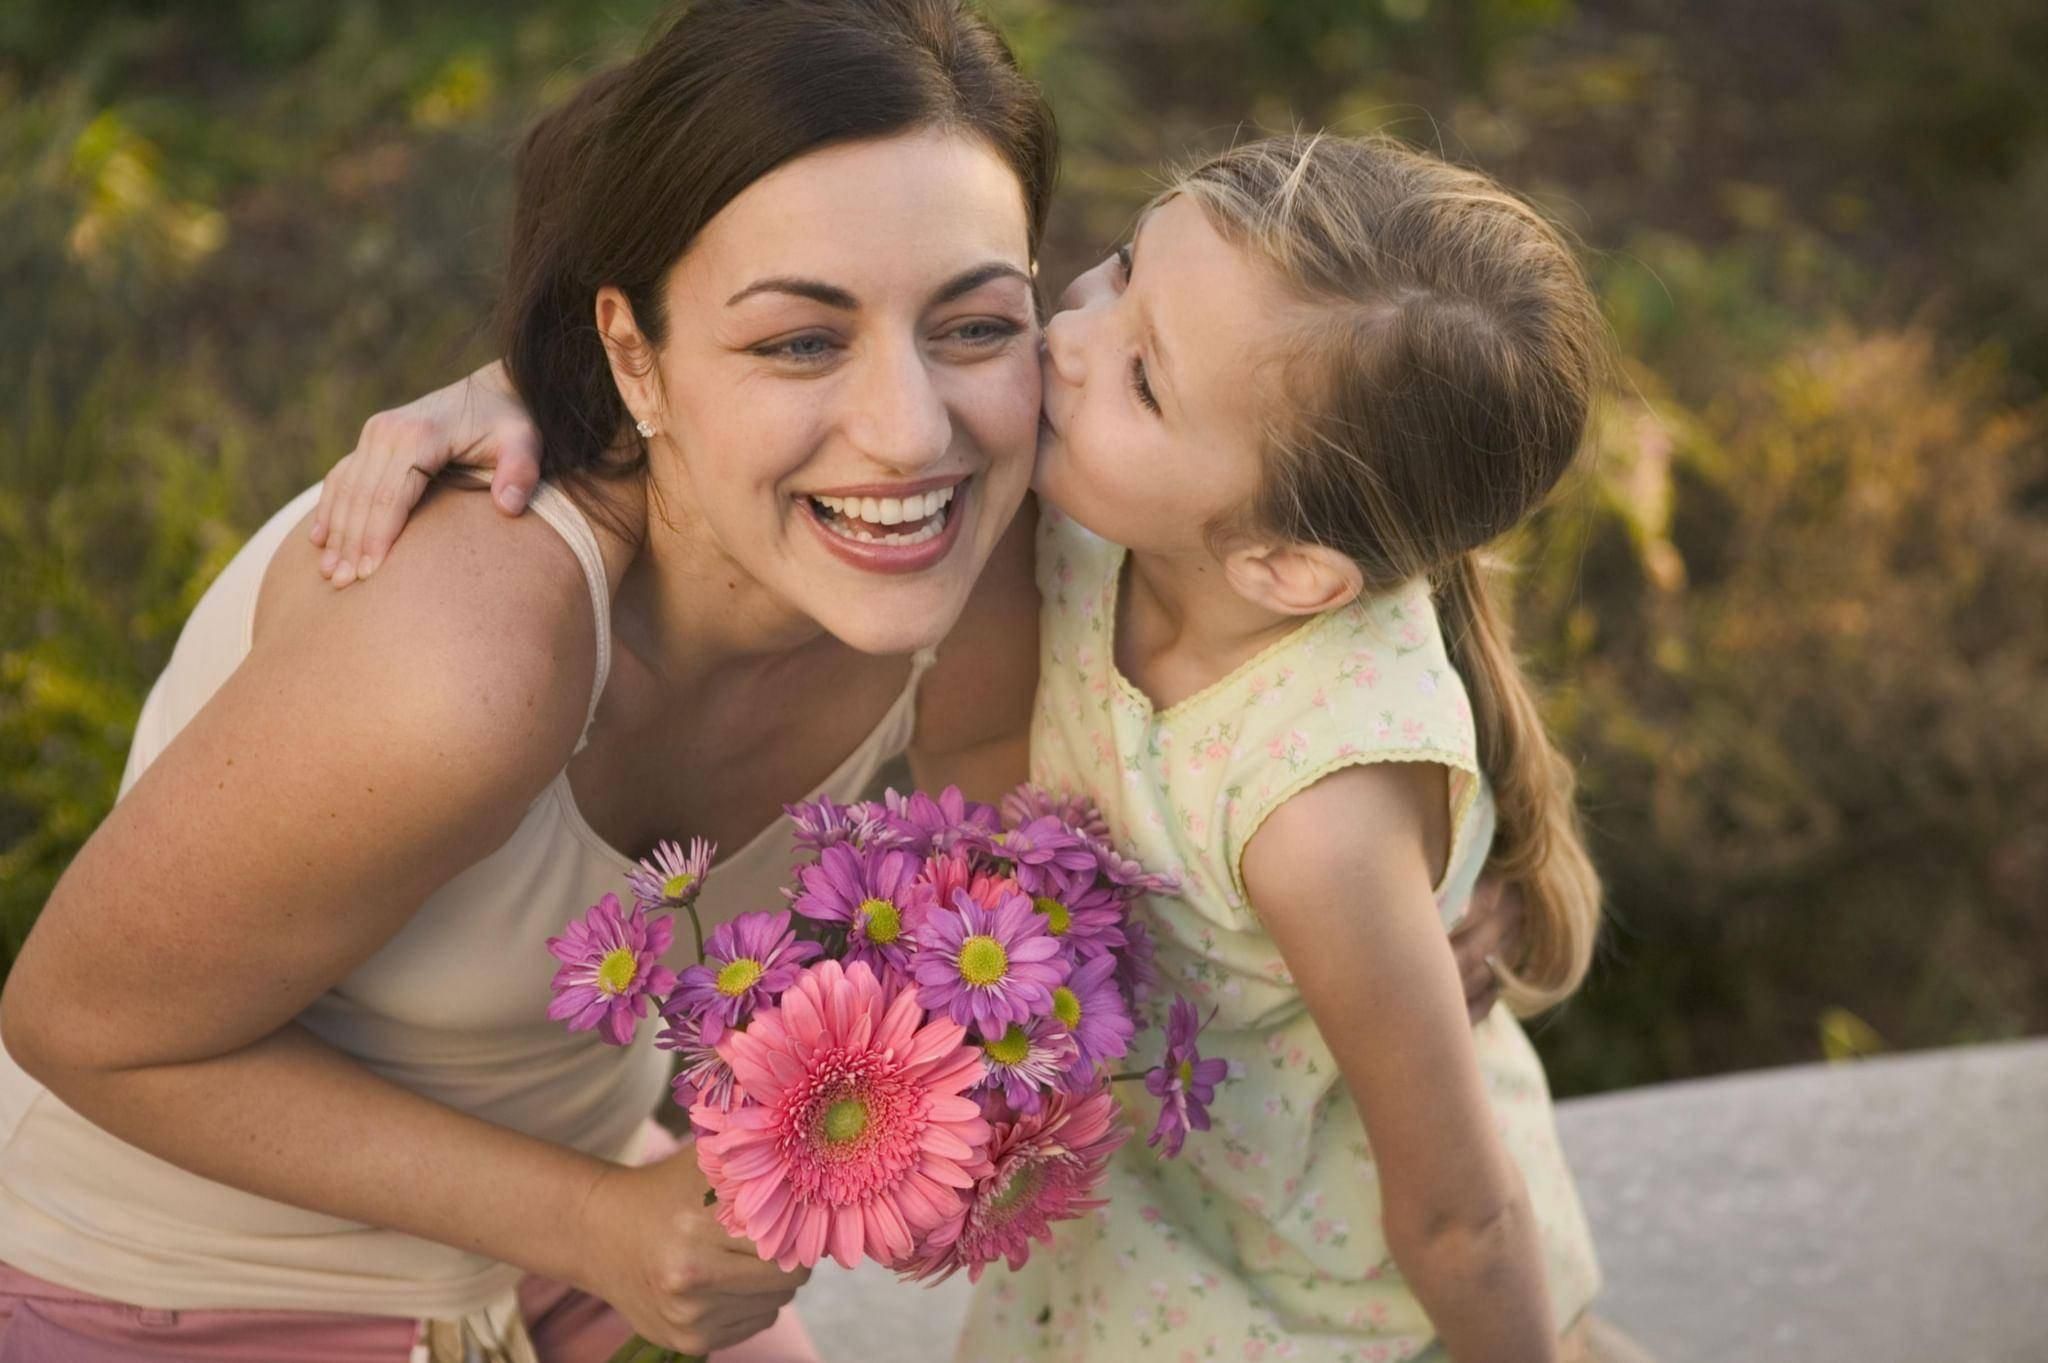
(910,1062)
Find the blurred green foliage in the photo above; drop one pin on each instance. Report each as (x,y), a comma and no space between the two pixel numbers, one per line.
(1793,617)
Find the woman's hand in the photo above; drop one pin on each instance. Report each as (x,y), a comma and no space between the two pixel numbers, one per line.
(478,422)
(657,1253)
(1491,932)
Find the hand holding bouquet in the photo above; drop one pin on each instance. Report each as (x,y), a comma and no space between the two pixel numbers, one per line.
(911,1062)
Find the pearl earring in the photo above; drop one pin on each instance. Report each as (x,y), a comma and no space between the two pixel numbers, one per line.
(646,429)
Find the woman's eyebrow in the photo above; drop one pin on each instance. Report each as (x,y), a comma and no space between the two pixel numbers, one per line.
(968,281)
(832,296)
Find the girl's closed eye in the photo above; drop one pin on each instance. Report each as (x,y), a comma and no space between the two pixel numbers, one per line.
(1140,384)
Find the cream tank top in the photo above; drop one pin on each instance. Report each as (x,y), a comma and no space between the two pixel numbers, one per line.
(452,1007)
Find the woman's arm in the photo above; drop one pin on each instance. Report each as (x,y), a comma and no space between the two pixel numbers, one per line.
(1354,916)
(974,707)
(284,836)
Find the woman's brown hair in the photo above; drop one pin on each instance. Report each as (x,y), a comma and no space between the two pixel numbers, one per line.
(615,185)
(1438,392)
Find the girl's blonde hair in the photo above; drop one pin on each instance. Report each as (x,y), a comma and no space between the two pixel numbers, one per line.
(1438,390)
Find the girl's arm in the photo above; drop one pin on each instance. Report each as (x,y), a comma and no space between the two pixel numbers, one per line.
(1341,876)
(286,834)
(974,706)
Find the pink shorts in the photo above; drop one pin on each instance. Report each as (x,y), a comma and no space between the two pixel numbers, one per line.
(41,1322)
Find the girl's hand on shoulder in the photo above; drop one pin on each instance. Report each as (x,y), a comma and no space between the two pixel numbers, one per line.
(478,422)
(1490,933)
(658,1254)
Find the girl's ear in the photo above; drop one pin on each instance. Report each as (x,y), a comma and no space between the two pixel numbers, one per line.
(632,358)
(1293,579)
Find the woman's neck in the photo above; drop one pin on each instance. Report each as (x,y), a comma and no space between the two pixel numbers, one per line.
(1182,627)
(680,604)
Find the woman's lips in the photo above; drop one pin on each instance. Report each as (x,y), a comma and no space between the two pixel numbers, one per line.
(846,526)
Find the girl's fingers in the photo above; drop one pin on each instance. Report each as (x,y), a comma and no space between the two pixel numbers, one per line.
(398,490)
(333,496)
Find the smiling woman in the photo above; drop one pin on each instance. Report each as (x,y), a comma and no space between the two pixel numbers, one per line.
(787,422)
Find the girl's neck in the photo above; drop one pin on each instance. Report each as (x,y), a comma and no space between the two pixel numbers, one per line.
(1181,627)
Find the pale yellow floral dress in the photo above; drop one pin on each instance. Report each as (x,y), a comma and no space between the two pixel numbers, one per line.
(1262,1241)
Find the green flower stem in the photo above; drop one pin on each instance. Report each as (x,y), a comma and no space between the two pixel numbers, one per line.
(696,926)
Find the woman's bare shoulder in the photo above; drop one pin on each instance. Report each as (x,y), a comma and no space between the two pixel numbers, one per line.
(470,604)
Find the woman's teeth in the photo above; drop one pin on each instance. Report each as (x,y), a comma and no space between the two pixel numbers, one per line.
(863,518)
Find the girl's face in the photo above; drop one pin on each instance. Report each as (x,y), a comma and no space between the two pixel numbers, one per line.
(1155,368)
(850,382)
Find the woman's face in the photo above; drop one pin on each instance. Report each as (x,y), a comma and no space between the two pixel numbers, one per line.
(850,381)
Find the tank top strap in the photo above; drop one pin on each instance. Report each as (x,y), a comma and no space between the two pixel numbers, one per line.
(560,511)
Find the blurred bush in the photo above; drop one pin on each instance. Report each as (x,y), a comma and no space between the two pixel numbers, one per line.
(1792,615)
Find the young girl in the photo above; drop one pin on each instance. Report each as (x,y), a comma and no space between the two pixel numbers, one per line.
(1278,428)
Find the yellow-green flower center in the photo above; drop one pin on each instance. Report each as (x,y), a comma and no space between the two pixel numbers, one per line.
(1022,1184)
(616,971)
(983,961)
(1012,1048)
(1187,1073)
(677,886)
(845,1120)
(1057,919)
(1066,1006)
(884,923)
(738,977)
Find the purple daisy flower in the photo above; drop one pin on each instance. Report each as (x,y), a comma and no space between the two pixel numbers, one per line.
(671,879)
(988,967)
(1039,852)
(1136,973)
(747,963)
(824,822)
(1088,921)
(1091,1010)
(926,826)
(1184,1082)
(702,1074)
(1129,877)
(1026,1061)
(879,896)
(611,966)
(1079,813)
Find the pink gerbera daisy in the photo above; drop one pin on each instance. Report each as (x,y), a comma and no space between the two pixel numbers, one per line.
(611,966)
(991,967)
(857,1137)
(1045,1165)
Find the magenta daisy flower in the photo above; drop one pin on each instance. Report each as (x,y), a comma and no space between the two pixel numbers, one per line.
(1091,1009)
(880,897)
(926,826)
(1027,1060)
(747,963)
(1184,1082)
(857,1138)
(991,967)
(671,878)
(1045,1166)
(1039,853)
(611,966)
(702,1076)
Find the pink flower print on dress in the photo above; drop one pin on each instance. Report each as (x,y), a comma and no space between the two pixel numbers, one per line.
(1411,732)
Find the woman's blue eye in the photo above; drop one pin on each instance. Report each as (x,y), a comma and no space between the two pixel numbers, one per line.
(807,347)
(986,330)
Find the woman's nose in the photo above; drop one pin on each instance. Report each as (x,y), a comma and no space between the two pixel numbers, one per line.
(897,416)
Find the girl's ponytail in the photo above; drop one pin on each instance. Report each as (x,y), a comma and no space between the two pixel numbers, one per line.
(1538,844)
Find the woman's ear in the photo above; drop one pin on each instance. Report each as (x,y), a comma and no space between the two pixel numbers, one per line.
(1293,579)
(632,358)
